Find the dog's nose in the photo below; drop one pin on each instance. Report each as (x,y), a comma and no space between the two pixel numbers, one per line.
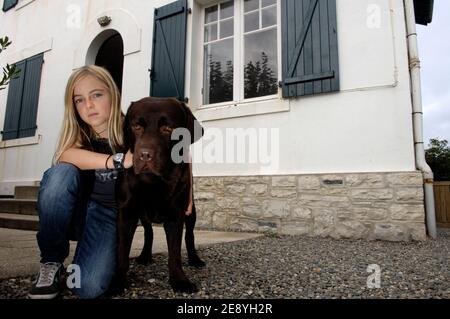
(146,155)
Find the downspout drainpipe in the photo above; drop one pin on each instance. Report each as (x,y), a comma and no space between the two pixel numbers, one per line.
(414,67)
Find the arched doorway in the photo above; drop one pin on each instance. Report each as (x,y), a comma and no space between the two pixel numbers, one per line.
(110,56)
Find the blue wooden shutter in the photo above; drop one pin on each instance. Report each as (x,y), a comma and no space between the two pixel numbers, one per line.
(30,96)
(22,102)
(8,4)
(309,47)
(169,50)
(13,104)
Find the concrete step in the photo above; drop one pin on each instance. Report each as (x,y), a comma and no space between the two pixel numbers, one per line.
(18,206)
(26,192)
(18,221)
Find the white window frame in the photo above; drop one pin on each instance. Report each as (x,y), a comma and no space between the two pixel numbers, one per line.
(217,40)
(239,106)
(242,51)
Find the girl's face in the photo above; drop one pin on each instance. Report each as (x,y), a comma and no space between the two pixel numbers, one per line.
(93,103)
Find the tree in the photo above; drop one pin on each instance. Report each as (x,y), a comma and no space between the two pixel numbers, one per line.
(251,80)
(259,78)
(438,157)
(220,83)
(267,80)
(9,72)
(216,82)
(228,82)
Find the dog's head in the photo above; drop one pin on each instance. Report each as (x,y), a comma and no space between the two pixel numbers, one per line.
(148,128)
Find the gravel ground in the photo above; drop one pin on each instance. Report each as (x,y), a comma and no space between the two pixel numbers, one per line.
(294,267)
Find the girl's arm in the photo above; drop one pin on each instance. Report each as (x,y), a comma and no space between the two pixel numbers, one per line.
(85,160)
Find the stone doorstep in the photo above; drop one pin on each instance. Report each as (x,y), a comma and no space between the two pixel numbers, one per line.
(26,192)
(18,206)
(19,221)
(20,212)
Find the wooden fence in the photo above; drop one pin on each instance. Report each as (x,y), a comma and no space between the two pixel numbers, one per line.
(442,203)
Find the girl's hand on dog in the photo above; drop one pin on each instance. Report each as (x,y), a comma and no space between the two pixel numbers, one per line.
(128,162)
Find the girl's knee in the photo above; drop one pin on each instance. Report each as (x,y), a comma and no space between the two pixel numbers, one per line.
(92,287)
(62,172)
(89,291)
(60,178)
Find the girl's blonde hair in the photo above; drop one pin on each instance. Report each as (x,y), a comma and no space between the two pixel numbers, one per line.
(75,132)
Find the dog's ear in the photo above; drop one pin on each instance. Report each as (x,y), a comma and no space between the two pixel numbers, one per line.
(128,135)
(192,124)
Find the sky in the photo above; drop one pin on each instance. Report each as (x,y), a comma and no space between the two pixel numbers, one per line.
(434,53)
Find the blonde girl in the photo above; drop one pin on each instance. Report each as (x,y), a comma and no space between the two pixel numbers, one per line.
(76,197)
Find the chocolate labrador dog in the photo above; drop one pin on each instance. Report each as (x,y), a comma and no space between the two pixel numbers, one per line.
(156,189)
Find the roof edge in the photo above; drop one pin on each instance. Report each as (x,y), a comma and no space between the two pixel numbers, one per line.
(423,10)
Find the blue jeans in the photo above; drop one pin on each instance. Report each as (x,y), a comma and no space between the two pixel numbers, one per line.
(94,227)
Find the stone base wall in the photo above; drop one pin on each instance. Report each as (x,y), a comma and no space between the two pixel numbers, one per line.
(385,206)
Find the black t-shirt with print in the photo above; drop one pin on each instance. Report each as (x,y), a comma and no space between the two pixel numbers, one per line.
(103,190)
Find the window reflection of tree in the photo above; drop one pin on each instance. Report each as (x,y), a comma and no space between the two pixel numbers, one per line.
(260,79)
(220,83)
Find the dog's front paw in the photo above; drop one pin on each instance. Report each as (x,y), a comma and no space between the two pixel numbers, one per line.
(184,286)
(117,286)
(196,262)
(144,259)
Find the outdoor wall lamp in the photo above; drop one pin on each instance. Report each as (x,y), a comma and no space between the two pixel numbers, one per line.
(104,21)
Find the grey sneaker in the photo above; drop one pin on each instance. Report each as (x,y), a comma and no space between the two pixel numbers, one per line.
(48,282)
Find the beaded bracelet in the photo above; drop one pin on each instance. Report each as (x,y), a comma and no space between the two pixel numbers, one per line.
(106,163)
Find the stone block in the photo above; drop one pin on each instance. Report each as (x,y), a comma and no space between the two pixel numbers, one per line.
(351,229)
(284,181)
(235,189)
(365,181)
(372,194)
(301,213)
(296,228)
(284,193)
(308,182)
(228,202)
(243,224)
(275,208)
(408,212)
(412,194)
(390,232)
(365,213)
(257,189)
(413,179)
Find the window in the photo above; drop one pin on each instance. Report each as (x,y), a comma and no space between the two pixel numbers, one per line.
(260,48)
(240,59)
(22,102)
(218,53)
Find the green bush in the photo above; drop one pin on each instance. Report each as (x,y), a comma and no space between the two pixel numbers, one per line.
(438,157)
(9,72)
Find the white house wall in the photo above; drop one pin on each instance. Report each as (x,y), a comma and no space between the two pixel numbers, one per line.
(366,127)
